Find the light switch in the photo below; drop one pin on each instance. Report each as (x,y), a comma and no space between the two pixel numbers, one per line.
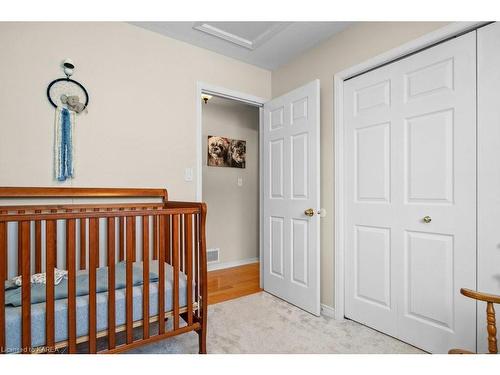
(188,174)
(240,181)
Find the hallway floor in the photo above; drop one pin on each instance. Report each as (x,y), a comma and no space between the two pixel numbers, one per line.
(235,282)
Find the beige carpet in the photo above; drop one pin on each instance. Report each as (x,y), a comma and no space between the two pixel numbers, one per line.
(262,323)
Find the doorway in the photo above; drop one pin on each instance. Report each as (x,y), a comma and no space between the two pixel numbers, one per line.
(230,185)
(230,180)
(289,189)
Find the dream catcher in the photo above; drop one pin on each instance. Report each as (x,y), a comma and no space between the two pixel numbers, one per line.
(69,98)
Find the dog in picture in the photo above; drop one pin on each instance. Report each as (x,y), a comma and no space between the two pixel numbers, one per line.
(237,153)
(218,150)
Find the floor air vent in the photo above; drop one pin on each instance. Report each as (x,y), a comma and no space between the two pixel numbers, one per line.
(213,255)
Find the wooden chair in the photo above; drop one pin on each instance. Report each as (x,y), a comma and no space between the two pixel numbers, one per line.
(490,299)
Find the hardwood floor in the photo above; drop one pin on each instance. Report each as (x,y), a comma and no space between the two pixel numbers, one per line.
(233,283)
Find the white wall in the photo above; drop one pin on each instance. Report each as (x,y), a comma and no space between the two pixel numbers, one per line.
(140,130)
(350,47)
(233,211)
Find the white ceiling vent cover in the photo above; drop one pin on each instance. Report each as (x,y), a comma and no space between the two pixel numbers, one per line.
(250,38)
(213,255)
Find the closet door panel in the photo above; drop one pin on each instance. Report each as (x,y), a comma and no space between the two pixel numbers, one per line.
(488,239)
(369,200)
(437,220)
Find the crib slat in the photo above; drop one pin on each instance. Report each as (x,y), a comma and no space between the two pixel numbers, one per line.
(155,237)
(134,247)
(175,264)
(50,249)
(121,226)
(196,259)
(55,252)
(26,285)
(161,276)
(97,230)
(182,243)
(111,283)
(145,277)
(38,244)
(128,299)
(3,229)
(93,251)
(71,263)
(83,242)
(167,239)
(189,266)
(3,276)
(203,279)
(19,240)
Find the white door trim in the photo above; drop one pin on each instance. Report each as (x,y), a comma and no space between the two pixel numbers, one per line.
(427,40)
(203,87)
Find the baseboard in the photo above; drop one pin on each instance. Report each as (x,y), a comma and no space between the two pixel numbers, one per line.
(234,263)
(327,311)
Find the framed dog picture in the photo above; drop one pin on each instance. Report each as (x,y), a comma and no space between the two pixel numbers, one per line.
(226,152)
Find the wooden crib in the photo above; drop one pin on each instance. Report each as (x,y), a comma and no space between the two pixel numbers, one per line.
(90,240)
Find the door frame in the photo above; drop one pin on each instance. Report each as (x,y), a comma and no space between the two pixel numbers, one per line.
(206,88)
(440,35)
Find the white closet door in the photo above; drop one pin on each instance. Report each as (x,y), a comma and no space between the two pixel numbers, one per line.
(369,206)
(488,210)
(410,196)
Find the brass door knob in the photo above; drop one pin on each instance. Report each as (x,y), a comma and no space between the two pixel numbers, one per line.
(427,219)
(309,212)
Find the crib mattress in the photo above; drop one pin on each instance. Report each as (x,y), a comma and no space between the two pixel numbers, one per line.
(13,314)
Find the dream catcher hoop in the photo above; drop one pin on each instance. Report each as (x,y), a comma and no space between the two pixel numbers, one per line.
(69,98)
(66,87)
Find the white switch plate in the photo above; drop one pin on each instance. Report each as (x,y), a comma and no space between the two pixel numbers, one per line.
(188,174)
(240,181)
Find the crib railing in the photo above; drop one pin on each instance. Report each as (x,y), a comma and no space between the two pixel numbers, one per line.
(102,235)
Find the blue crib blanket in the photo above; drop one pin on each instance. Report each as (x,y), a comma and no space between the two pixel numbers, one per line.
(13,314)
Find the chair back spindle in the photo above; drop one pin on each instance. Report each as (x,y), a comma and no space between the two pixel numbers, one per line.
(491,328)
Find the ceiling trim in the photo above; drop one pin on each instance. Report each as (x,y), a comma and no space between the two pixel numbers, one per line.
(267,46)
(238,40)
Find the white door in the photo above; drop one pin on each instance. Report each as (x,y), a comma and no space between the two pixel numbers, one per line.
(410,183)
(488,153)
(291,186)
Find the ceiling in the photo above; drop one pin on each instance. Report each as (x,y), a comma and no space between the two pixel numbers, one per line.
(268,45)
